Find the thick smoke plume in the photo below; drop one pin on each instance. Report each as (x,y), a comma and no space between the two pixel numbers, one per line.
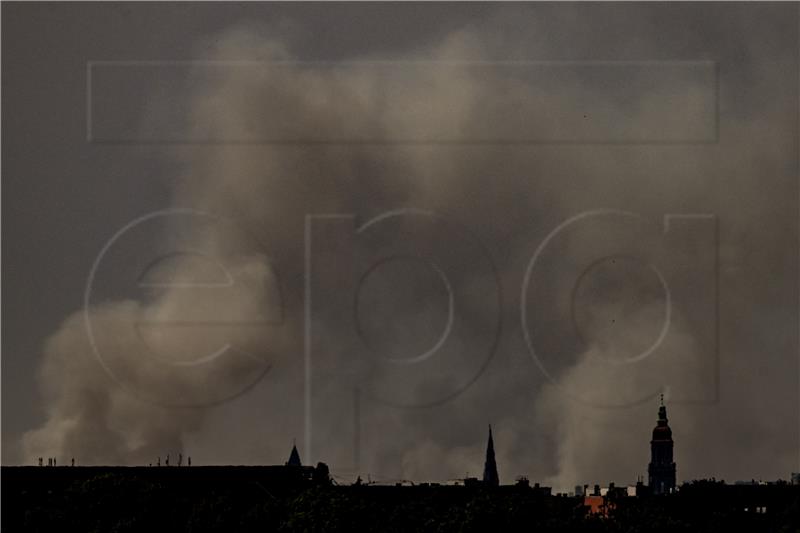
(130,406)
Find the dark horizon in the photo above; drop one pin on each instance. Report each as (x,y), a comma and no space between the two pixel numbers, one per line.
(661,459)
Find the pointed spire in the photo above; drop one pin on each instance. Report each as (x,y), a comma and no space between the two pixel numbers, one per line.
(294,457)
(490,476)
(662,411)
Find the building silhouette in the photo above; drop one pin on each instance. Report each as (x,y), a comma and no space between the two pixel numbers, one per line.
(661,471)
(490,476)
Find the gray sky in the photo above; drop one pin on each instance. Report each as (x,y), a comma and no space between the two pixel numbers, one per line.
(518,118)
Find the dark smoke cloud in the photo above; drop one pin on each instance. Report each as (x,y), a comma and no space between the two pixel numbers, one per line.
(510,197)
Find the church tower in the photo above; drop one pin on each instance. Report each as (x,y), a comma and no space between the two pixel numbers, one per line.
(490,467)
(294,457)
(661,471)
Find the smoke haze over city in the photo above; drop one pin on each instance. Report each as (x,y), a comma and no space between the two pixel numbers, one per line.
(377,229)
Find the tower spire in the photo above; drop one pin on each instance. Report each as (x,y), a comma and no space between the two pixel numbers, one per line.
(294,457)
(661,470)
(490,476)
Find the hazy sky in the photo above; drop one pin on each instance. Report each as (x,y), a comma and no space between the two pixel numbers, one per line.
(538,216)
